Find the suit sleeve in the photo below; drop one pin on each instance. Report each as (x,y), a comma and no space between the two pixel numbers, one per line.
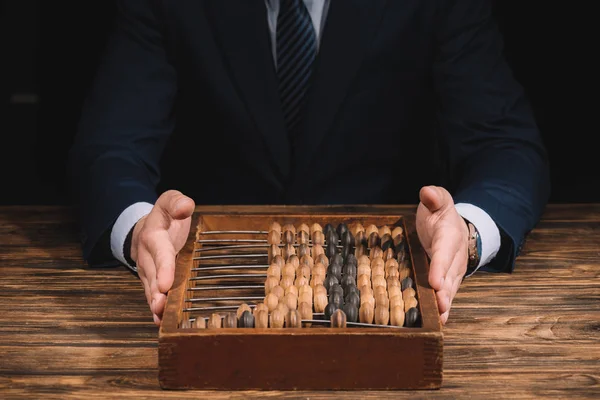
(496,158)
(124,126)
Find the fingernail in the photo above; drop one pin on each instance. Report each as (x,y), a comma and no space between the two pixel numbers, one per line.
(444,317)
(156,319)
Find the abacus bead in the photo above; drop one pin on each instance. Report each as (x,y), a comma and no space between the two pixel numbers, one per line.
(366,313)
(351,260)
(350,270)
(302,237)
(274,237)
(322,259)
(305,310)
(291,289)
(274,251)
(397,316)
(351,311)
(293,319)
(338,319)
(282,307)
(400,253)
(318,238)
(336,288)
(275,226)
(410,302)
(407,283)
(271,301)
(382,315)
(347,280)
(361,251)
(316,250)
(230,320)
(278,291)
(397,231)
(301,281)
(261,319)
(303,250)
(352,298)
(319,269)
(330,250)
(331,237)
(411,317)
(330,309)
(315,228)
(303,228)
(274,270)
(370,229)
(214,322)
(376,253)
(387,242)
(288,237)
(199,323)
(185,324)
(408,292)
(303,270)
(277,319)
(352,289)
(291,301)
(286,281)
(374,240)
(336,298)
(307,260)
(270,283)
(329,282)
(357,227)
(243,307)
(336,271)
(346,251)
(278,259)
(347,239)
(320,302)
(341,229)
(361,239)
(337,259)
(288,251)
(259,307)
(388,254)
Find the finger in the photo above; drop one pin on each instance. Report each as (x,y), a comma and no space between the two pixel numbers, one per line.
(163,254)
(175,205)
(444,317)
(435,198)
(443,252)
(146,264)
(447,292)
(159,305)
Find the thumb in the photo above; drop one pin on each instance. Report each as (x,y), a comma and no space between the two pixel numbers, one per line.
(435,198)
(175,205)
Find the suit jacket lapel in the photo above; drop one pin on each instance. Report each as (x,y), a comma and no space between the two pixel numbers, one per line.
(242,32)
(349,29)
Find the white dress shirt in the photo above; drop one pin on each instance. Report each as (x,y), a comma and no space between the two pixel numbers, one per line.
(488,231)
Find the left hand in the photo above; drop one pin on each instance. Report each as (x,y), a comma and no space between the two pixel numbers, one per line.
(444,235)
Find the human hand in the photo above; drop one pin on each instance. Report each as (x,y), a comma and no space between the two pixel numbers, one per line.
(444,236)
(156,240)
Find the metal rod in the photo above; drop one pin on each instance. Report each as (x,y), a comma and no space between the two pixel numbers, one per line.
(231,241)
(214,308)
(230,256)
(233,246)
(219,267)
(223,287)
(350,324)
(206,299)
(202,278)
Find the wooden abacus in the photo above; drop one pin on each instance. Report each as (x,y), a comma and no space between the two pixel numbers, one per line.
(279,302)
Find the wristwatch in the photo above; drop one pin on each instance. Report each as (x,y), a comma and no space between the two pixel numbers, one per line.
(474,243)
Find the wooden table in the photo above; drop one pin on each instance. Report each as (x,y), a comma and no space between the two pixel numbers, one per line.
(68,331)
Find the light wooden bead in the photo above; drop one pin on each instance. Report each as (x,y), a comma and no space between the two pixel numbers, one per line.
(214,322)
(361,250)
(396,301)
(392,281)
(289,233)
(315,227)
(410,302)
(306,312)
(281,306)
(291,301)
(305,297)
(338,319)
(397,316)
(274,270)
(300,281)
(393,273)
(286,281)
(303,270)
(319,269)
(293,319)
(303,250)
(278,259)
(274,237)
(320,302)
(366,290)
(377,263)
(397,235)
(377,271)
(378,281)
(305,289)
(316,250)
(243,307)
(275,226)
(230,320)
(318,238)
(367,299)
(288,251)
(356,227)
(277,319)
(291,289)
(364,259)
(381,300)
(289,269)
(391,263)
(394,291)
(384,230)
(408,292)
(308,261)
(377,290)
(259,307)
(261,319)
(404,272)
(376,253)
(270,283)
(303,228)
(366,313)
(370,229)
(363,279)
(382,315)
(294,260)
(278,291)
(388,254)
(271,301)
(199,323)
(363,269)
(273,252)
(302,237)
(317,280)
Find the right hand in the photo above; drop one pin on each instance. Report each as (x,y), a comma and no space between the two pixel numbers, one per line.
(156,240)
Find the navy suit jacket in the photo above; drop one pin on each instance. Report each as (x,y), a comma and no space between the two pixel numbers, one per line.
(404,94)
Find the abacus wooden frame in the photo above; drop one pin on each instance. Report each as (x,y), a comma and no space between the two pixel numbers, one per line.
(305,358)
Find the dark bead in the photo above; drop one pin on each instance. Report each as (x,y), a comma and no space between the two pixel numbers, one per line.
(399,248)
(329,281)
(352,298)
(246,320)
(350,270)
(374,240)
(337,259)
(330,309)
(336,288)
(407,283)
(327,228)
(351,260)
(346,251)
(335,270)
(331,250)
(347,239)
(351,311)
(386,244)
(352,289)
(347,280)
(411,317)
(341,229)
(361,239)
(336,298)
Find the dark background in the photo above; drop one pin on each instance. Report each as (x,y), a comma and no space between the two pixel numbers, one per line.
(49,50)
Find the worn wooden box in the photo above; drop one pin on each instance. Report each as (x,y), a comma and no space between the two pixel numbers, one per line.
(318,357)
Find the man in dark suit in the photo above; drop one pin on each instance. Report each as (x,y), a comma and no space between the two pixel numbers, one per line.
(307,102)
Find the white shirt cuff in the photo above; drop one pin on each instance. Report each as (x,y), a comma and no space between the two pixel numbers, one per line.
(127,220)
(488,231)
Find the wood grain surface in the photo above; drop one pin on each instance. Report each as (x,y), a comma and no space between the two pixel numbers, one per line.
(68,331)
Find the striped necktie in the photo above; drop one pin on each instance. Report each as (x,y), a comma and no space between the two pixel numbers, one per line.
(296,52)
